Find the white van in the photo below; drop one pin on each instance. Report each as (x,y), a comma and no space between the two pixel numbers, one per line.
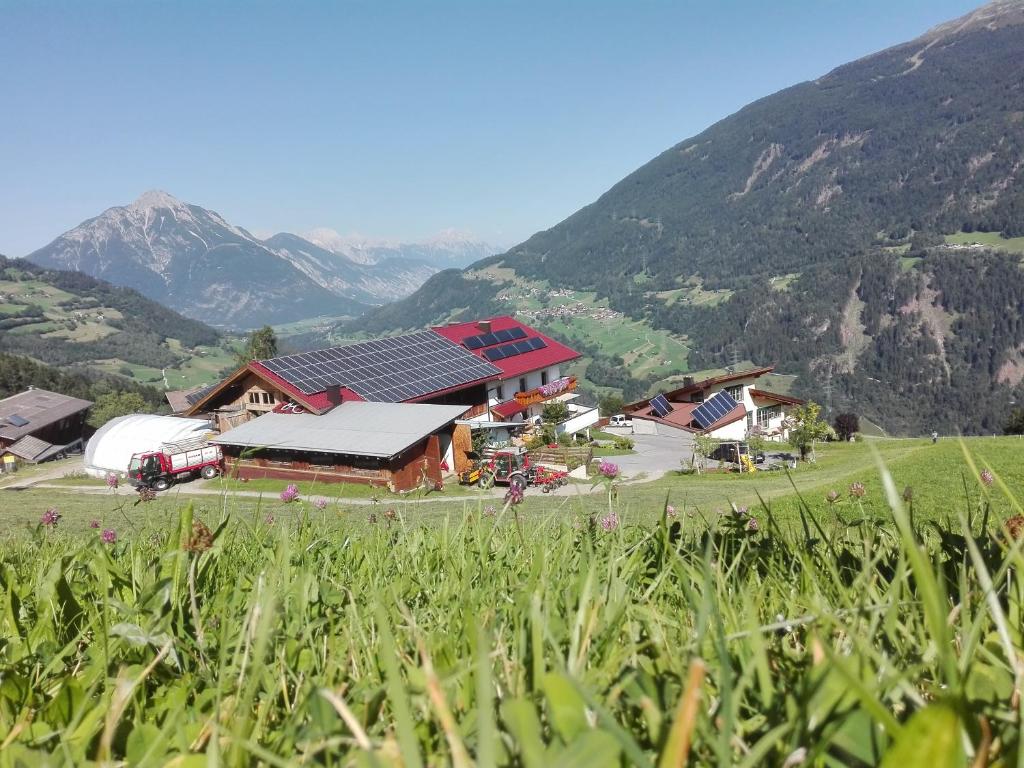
(621,421)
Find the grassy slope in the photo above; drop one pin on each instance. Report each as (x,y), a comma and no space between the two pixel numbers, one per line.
(989,239)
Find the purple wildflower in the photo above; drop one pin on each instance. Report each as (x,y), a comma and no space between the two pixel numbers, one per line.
(112,481)
(320,503)
(739,511)
(987,478)
(752,526)
(290,493)
(670,511)
(608,469)
(857,490)
(50,518)
(94,523)
(109,536)
(515,494)
(832,496)
(610,522)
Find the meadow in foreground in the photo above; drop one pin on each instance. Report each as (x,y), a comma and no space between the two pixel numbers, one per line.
(828,631)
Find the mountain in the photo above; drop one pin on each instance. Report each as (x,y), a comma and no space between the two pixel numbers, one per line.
(193,261)
(364,281)
(449,248)
(70,320)
(825,228)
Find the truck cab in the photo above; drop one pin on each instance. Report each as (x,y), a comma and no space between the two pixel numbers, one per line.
(148,469)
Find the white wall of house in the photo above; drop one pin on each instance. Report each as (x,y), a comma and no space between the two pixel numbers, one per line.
(737,430)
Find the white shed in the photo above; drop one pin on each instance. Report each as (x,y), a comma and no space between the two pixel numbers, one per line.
(111,448)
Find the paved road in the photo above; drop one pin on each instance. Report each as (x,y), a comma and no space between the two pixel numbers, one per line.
(655,455)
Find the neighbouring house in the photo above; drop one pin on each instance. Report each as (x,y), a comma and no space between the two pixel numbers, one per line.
(727,407)
(422,368)
(181,400)
(400,446)
(532,371)
(38,425)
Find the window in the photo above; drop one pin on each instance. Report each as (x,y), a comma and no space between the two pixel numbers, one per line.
(499,392)
(268,399)
(522,384)
(543,378)
(254,397)
(736,393)
(750,419)
(766,414)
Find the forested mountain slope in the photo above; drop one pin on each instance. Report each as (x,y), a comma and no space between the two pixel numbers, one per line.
(819,217)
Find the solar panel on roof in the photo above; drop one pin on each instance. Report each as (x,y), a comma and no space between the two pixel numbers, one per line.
(504,335)
(391,369)
(517,333)
(712,410)
(17,421)
(473,342)
(661,406)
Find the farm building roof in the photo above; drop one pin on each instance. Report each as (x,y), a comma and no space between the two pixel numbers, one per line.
(356,429)
(181,400)
(29,411)
(485,337)
(33,449)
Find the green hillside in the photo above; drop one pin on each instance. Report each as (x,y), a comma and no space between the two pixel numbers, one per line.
(73,321)
(822,229)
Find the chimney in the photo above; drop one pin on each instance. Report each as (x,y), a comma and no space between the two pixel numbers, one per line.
(688,381)
(484,326)
(334,395)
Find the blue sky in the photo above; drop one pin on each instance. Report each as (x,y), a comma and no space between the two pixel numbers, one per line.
(384,118)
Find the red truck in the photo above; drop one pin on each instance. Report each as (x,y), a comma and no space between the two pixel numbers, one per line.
(175,462)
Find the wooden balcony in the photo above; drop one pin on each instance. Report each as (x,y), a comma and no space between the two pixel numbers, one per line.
(536,395)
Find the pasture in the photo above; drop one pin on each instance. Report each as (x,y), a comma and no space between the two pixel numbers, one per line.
(878,627)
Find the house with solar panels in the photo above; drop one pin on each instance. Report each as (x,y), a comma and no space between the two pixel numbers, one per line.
(532,369)
(382,412)
(305,416)
(38,425)
(727,407)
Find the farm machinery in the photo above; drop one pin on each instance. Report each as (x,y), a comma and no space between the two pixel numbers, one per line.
(514,469)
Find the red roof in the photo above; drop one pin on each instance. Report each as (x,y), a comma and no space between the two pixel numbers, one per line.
(784,399)
(553,354)
(508,409)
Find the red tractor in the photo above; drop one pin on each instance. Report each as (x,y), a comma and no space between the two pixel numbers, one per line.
(507,468)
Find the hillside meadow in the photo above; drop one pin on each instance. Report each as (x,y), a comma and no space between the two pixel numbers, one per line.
(877,627)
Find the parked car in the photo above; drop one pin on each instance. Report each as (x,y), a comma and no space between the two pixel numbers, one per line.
(620,421)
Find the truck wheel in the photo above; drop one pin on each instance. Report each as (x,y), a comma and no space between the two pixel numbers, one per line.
(518,481)
(209,472)
(161,484)
(485,481)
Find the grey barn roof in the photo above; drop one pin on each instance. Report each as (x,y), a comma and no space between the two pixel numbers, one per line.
(380,430)
(37,408)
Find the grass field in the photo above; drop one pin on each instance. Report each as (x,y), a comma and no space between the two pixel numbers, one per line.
(593,632)
(989,239)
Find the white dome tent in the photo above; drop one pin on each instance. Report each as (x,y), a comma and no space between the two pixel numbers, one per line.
(111,448)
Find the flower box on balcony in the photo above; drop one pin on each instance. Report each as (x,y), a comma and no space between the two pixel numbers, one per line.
(546,391)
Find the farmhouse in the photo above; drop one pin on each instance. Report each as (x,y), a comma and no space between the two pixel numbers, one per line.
(381,412)
(37,425)
(726,407)
(531,366)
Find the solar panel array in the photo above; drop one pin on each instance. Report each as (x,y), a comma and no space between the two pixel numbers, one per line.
(388,370)
(661,406)
(490,339)
(712,410)
(517,348)
(17,421)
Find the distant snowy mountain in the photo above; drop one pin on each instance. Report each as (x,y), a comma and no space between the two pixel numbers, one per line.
(192,260)
(368,282)
(449,248)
